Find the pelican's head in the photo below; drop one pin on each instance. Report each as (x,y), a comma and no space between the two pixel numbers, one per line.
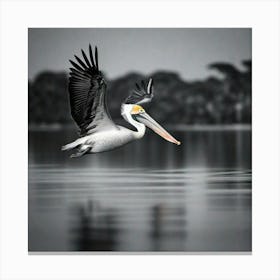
(140,115)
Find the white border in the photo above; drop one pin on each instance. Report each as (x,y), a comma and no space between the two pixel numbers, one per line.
(262,16)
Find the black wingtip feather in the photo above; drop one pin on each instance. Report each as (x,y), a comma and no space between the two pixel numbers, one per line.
(86,59)
(96,58)
(76,65)
(81,62)
(91,55)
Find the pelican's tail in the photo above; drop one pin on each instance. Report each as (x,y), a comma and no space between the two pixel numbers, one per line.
(79,145)
(72,145)
(67,147)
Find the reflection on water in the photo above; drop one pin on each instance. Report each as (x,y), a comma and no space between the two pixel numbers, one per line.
(147,196)
(91,232)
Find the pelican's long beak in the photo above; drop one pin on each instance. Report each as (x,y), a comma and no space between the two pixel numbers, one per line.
(157,128)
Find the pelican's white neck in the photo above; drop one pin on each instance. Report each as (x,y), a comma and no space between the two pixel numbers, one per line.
(126,113)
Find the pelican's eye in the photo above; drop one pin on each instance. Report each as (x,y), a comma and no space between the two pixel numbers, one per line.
(136,109)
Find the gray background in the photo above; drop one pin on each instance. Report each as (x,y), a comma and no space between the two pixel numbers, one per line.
(186,51)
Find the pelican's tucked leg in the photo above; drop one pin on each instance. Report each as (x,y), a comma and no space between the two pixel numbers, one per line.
(82,150)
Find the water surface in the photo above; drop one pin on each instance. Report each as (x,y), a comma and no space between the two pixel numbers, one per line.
(147,196)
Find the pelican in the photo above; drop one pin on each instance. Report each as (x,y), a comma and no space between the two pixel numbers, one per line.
(98,133)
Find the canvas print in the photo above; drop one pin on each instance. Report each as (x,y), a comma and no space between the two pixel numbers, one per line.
(139,140)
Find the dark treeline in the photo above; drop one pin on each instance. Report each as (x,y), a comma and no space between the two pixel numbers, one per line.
(221,99)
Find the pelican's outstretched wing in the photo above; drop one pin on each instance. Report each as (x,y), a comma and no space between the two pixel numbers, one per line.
(87,91)
(141,94)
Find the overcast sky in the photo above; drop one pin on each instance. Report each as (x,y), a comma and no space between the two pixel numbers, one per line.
(186,51)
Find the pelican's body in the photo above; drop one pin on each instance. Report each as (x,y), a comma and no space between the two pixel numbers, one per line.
(106,140)
(99,133)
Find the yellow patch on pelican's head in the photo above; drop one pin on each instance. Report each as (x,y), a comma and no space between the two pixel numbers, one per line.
(137,109)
